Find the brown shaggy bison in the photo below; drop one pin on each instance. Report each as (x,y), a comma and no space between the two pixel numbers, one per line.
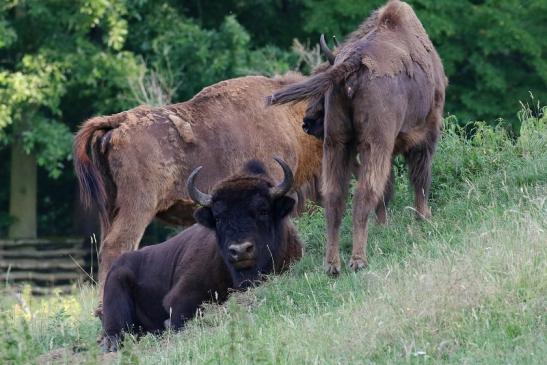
(132,164)
(243,232)
(383,95)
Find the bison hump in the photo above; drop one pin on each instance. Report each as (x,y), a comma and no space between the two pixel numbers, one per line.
(387,59)
(398,43)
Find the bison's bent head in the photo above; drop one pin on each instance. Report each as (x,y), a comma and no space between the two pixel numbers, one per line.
(247,213)
(314,118)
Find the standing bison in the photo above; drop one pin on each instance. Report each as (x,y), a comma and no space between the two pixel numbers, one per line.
(132,164)
(243,233)
(383,95)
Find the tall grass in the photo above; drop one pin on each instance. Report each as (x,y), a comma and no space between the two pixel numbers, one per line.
(467,286)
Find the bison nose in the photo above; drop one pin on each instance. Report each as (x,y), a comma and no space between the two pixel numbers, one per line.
(244,249)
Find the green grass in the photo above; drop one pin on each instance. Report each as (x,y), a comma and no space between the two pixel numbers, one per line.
(469,286)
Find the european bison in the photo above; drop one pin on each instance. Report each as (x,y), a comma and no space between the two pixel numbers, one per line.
(242,233)
(140,157)
(384,95)
(314,117)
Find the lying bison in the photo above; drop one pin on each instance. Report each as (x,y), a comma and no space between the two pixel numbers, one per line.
(242,233)
(383,95)
(131,164)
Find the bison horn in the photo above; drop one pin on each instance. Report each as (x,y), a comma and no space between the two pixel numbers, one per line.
(196,195)
(325,49)
(336,44)
(284,187)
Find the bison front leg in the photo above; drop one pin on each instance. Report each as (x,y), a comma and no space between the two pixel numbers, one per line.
(182,303)
(375,155)
(119,307)
(336,175)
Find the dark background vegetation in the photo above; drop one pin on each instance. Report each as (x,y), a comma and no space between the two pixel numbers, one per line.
(64,61)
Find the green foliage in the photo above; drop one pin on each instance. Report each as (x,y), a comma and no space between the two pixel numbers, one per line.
(38,84)
(51,50)
(195,57)
(271,22)
(39,140)
(202,57)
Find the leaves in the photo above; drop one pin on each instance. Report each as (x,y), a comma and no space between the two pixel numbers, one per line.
(50,50)
(51,141)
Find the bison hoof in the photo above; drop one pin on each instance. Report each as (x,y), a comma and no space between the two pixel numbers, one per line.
(423,216)
(110,343)
(423,213)
(333,269)
(357,264)
(381,220)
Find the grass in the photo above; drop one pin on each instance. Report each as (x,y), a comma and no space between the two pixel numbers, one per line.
(469,286)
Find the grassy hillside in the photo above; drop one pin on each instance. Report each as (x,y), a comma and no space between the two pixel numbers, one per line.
(468,286)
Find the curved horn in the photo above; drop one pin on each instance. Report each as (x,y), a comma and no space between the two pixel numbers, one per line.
(196,195)
(325,49)
(283,187)
(336,44)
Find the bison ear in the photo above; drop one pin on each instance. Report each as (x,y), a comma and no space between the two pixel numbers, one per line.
(204,216)
(283,206)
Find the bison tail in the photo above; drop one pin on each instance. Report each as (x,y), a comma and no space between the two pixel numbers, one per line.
(313,87)
(90,179)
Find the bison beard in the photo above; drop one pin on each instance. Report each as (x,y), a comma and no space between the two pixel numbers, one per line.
(383,95)
(243,234)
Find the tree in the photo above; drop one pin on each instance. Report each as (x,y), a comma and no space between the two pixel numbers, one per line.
(49,51)
(190,56)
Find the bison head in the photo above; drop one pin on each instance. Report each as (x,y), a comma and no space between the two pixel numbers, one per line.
(314,118)
(247,213)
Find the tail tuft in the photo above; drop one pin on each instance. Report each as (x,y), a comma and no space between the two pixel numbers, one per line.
(314,86)
(91,182)
(317,85)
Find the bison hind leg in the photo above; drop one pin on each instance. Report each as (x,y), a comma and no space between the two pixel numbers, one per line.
(419,160)
(381,208)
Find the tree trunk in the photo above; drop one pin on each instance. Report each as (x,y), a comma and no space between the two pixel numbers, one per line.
(22,204)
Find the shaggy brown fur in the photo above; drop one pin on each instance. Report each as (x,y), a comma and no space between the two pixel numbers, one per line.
(164,285)
(384,95)
(141,158)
